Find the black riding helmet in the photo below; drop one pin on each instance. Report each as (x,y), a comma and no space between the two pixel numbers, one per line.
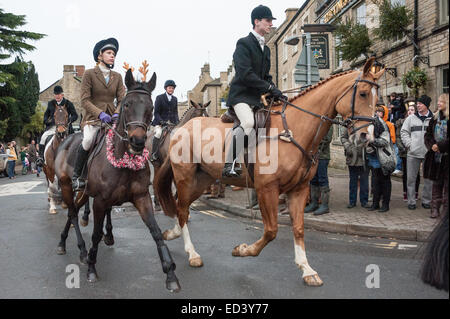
(169,83)
(261,12)
(103,45)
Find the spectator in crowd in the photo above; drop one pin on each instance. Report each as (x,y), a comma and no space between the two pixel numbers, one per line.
(396,107)
(381,167)
(436,159)
(12,158)
(217,190)
(412,133)
(23,159)
(2,149)
(32,151)
(355,154)
(319,184)
(402,152)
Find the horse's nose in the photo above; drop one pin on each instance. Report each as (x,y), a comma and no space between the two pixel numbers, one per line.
(138,141)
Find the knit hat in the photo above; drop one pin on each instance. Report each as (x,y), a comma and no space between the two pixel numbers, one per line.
(425,100)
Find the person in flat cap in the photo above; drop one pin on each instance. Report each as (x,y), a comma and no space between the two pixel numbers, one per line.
(166,110)
(102,90)
(252,79)
(49,119)
(412,134)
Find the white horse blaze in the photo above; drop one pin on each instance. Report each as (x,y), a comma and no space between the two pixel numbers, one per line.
(302,262)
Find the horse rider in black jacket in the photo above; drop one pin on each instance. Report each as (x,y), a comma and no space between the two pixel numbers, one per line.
(49,118)
(166,110)
(252,63)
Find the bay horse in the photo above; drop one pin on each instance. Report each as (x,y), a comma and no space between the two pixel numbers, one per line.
(61,117)
(114,178)
(304,120)
(196,110)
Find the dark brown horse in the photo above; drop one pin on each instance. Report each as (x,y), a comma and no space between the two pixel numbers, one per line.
(112,185)
(196,110)
(296,129)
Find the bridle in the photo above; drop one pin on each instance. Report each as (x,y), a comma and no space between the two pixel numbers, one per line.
(124,122)
(64,124)
(349,122)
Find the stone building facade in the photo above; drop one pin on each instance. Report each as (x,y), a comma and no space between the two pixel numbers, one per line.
(71,84)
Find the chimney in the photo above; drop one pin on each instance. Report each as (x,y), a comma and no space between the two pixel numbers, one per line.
(205,68)
(80,70)
(69,68)
(290,12)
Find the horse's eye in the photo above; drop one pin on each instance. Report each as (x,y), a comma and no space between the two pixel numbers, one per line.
(363,94)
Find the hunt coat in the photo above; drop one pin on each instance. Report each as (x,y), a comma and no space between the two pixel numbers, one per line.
(97,96)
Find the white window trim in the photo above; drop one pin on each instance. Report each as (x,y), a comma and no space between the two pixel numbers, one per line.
(294,32)
(285,50)
(442,11)
(284,81)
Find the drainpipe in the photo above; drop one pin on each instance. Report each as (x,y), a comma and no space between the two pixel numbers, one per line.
(276,63)
(416,32)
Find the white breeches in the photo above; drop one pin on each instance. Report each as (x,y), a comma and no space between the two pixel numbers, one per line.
(245,115)
(158,131)
(50,131)
(89,133)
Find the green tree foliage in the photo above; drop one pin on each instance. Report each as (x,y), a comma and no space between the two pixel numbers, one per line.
(354,39)
(35,126)
(394,20)
(19,85)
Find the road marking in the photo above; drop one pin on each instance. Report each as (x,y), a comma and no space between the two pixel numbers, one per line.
(391,245)
(406,247)
(21,188)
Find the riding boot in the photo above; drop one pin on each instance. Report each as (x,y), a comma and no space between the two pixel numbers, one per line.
(40,160)
(325,198)
(314,202)
(230,169)
(155,147)
(82,156)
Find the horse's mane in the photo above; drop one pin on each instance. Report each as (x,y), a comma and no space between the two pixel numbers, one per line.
(185,113)
(312,87)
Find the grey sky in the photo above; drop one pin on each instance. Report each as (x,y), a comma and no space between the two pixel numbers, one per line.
(175,37)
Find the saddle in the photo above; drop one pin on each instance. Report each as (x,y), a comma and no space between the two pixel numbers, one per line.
(167,128)
(96,146)
(261,119)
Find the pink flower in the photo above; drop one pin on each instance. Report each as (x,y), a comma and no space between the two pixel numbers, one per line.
(130,161)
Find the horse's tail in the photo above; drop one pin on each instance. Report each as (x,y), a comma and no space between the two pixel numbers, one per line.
(435,265)
(162,185)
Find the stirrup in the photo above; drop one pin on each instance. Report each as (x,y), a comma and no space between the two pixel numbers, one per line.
(233,172)
(78,184)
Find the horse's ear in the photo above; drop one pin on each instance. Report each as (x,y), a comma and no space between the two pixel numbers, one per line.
(368,65)
(152,83)
(207,104)
(378,75)
(129,79)
(194,104)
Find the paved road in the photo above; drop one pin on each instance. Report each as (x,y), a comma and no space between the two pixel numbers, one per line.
(131,268)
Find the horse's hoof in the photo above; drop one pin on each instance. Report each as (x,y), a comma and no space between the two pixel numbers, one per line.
(313,280)
(173,286)
(92,277)
(196,262)
(64,205)
(83,222)
(53,211)
(60,250)
(109,240)
(238,251)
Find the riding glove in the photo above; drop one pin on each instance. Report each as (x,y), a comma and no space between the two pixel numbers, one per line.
(105,118)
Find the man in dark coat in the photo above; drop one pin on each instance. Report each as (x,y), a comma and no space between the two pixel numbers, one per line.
(166,110)
(252,63)
(49,118)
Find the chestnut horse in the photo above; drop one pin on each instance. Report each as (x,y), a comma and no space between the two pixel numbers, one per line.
(196,110)
(308,116)
(112,182)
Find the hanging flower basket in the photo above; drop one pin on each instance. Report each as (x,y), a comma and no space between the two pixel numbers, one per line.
(415,79)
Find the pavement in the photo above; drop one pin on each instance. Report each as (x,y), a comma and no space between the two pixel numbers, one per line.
(397,223)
